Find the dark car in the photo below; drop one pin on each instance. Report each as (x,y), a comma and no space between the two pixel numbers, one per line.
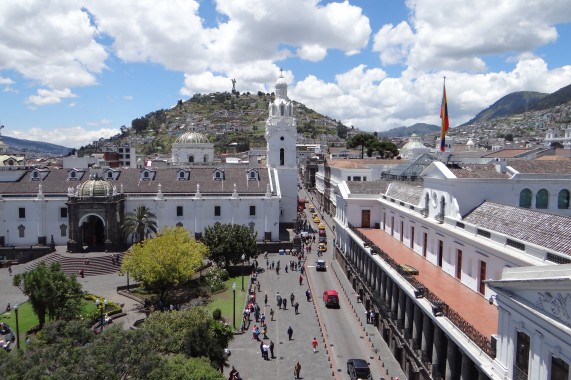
(320,265)
(358,369)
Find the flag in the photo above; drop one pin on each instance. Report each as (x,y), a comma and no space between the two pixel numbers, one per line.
(444,117)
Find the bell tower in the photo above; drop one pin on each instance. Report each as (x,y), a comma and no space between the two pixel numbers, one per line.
(281,136)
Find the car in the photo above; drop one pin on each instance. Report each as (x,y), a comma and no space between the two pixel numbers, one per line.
(321,226)
(323,239)
(331,298)
(315,215)
(316,220)
(311,208)
(322,233)
(322,247)
(320,265)
(358,369)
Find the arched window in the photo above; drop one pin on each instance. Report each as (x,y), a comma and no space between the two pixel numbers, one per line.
(205,158)
(282,110)
(563,199)
(525,198)
(72,174)
(282,156)
(542,199)
(191,159)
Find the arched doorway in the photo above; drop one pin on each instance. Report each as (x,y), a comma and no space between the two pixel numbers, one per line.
(92,231)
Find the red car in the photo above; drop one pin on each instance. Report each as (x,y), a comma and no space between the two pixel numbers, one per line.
(331,298)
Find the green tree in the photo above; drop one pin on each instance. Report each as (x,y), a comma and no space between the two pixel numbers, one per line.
(192,332)
(363,140)
(140,124)
(50,292)
(342,131)
(386,149)
(140,224)
(165,261)
(228,242)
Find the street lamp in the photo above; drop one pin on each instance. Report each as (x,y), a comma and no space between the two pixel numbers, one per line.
(101,306)
(243,258)
(234,306)
(17,327)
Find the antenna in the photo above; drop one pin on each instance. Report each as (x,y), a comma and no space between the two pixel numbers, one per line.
(2,127)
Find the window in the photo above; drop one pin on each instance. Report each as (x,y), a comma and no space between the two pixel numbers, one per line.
(178,210)
(72,174)
(559,369)
(205,158)
(21,230)
(191,159)
(459,264)
(412,237)
(181,175)
(563,200)
(21,213)
(356,178)
(216,210)
(63,230)
(348,178)
(440,252)
(63,212)
(282,156)
(252,210)
(364,178)
(425,244)
(525,198)
(401,231)
(482,279)
(521,367)
(542,199)
(109,175)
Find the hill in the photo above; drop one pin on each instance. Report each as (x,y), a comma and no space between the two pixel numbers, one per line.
(561,96)
(420,129)
(507,105)
(34,148)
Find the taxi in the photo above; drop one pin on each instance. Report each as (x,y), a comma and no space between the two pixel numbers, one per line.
(316,220)
(321,226)
(311,208)
(322,247)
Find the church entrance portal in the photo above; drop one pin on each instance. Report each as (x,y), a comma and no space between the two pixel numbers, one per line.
(93,232)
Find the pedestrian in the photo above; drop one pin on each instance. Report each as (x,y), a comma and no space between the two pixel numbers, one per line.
(284,301)
(368,316)
(314,344)
(308,294)
(296,306)
(263,319)
(265,348)
(297,370)
(272,348)
(292,298)
(372,313)
(272,264)
(81,273)
(286,268)
(272,314)
(279,300)
(301,270)
(259,286)
(264,331)
(266,298)
(10,270)
(262,349)
(267,263)
(289,332)
(300,280)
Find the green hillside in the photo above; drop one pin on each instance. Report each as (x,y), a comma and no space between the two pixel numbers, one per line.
(507,105)
(420,129)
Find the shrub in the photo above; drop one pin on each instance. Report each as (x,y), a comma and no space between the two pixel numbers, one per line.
(215,277)
(217,314)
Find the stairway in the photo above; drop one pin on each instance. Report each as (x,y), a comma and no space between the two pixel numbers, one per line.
(98,265)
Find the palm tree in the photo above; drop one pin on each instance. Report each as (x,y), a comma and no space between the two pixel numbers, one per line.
(139,223)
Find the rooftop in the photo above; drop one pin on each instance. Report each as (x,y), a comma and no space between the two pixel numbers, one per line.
(364,163)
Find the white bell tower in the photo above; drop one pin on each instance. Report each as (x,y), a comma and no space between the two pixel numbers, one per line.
(281,133)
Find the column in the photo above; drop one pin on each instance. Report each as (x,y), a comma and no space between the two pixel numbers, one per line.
(389,293)
(408,318)
(383,286)
(401,309)
(395,300)
(436,352)
(451,371)
(426,344)
(466,372)
(416,327)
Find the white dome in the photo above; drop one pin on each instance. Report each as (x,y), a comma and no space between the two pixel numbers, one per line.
(470,143)
(192,138)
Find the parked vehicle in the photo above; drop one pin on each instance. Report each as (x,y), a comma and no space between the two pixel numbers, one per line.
(331,298)
(322,233)
(358,369)
(320,265)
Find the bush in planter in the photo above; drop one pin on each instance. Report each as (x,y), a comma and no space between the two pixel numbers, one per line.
(215,277)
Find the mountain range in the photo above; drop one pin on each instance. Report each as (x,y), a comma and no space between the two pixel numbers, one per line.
(514,103)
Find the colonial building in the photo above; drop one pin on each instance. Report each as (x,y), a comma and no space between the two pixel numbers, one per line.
(86,207)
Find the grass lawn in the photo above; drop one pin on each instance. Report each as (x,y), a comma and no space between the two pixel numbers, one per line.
(27,319)
(223,300)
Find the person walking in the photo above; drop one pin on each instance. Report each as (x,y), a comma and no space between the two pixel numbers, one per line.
(296,306)
(300,280)
(272,314)
(266,298)
(262,349)
(265,348)
(284,301)
(279,300)
(291,298)
(368,316)
(289,332)
(314,344)
(308,294)
(297,370)
(272,348)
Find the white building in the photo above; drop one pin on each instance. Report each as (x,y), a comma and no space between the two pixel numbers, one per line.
(86,207)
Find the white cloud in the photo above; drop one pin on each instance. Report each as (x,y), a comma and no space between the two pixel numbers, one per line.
(6,80)
(72,137)
(10,89)
(128,97)
(455,34)
(45,96)
(106,121)
(312,53)
(50,42)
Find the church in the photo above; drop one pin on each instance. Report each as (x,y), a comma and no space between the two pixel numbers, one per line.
(86,207)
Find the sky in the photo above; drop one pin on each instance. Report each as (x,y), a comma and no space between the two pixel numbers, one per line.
(72,71)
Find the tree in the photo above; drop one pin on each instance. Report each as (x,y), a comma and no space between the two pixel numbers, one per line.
(342,131)
(165,261)
(228,242)
(386,149)
(141,223)
(50,292)
(140,124)
(363,140)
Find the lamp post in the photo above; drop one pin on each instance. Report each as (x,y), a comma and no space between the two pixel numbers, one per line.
(243,258)
(101,306)
(17,327)
(234,306)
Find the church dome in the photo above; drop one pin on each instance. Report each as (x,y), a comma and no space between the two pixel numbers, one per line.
(470,143)
(95,188)
(414,142)
(192,138)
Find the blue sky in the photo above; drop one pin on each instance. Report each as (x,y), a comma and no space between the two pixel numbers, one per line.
(73,71)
